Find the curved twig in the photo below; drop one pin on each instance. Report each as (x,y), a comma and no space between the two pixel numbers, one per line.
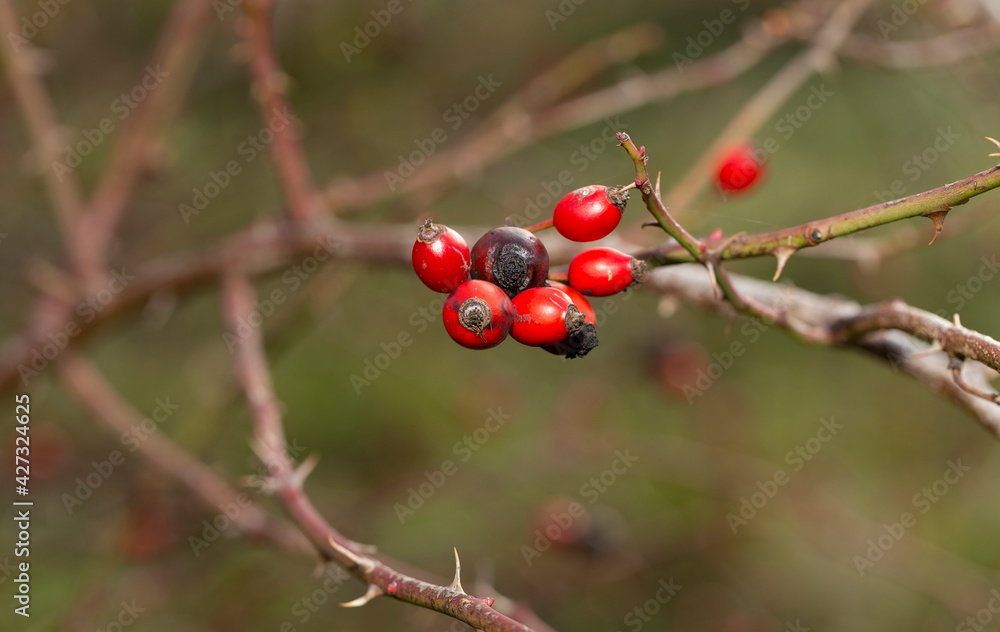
(934,204)
(270,85)
(269,442)
(755,112)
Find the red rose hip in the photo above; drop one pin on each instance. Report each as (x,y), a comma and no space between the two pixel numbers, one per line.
(604,271)
(738,169)
(441,257)
(590,213)
(512,258)
(545,316)
(478,315)
(583,341)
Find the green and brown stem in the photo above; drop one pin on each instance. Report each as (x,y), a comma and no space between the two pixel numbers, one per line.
(654,204)
(699,251)
(691,245)
(286,483)
(933,204)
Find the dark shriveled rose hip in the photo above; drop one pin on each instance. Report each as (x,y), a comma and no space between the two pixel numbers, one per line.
(511,258)
(577,344)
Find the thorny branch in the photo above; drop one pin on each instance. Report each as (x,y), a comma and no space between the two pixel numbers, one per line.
(286,483)
(851,325)
(953,362)
(821,54)
(269,87)
(108,407)
(181,45)
(537,112)
(934,204)
(23,70)
(957,342)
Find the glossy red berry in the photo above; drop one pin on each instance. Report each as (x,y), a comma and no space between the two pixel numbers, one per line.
(604,271)
(590,213)
(478,315)
(511,258)
(738,169)
(440,257)
(581,342)
(545,316)
(581,302)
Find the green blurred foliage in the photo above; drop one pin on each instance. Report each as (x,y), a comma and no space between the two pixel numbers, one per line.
(666,515)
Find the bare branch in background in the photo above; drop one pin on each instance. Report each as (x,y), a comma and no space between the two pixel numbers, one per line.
(846,321)
(270,87)
(943,356)
(109,408)
(819,57)
(181,45)
(23,67)
(942,50)
(537,113)
(269,442)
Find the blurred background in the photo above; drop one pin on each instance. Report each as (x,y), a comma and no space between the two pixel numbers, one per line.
(659,438)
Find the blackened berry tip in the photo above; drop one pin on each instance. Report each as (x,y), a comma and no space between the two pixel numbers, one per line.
(618,197)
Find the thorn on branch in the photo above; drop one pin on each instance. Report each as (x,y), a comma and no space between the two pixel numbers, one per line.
(782,254)
(995,142)
(372,592)
(367,549)
(938,218)
(956,364)
(366,565)
(710,266)
(456,583)
(303,471)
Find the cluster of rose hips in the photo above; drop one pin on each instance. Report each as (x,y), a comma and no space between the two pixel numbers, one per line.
(502,285)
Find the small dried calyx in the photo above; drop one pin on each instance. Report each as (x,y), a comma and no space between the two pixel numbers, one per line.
(474,315)
(574,319)
(429,232)
(639,269)
(619,197)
